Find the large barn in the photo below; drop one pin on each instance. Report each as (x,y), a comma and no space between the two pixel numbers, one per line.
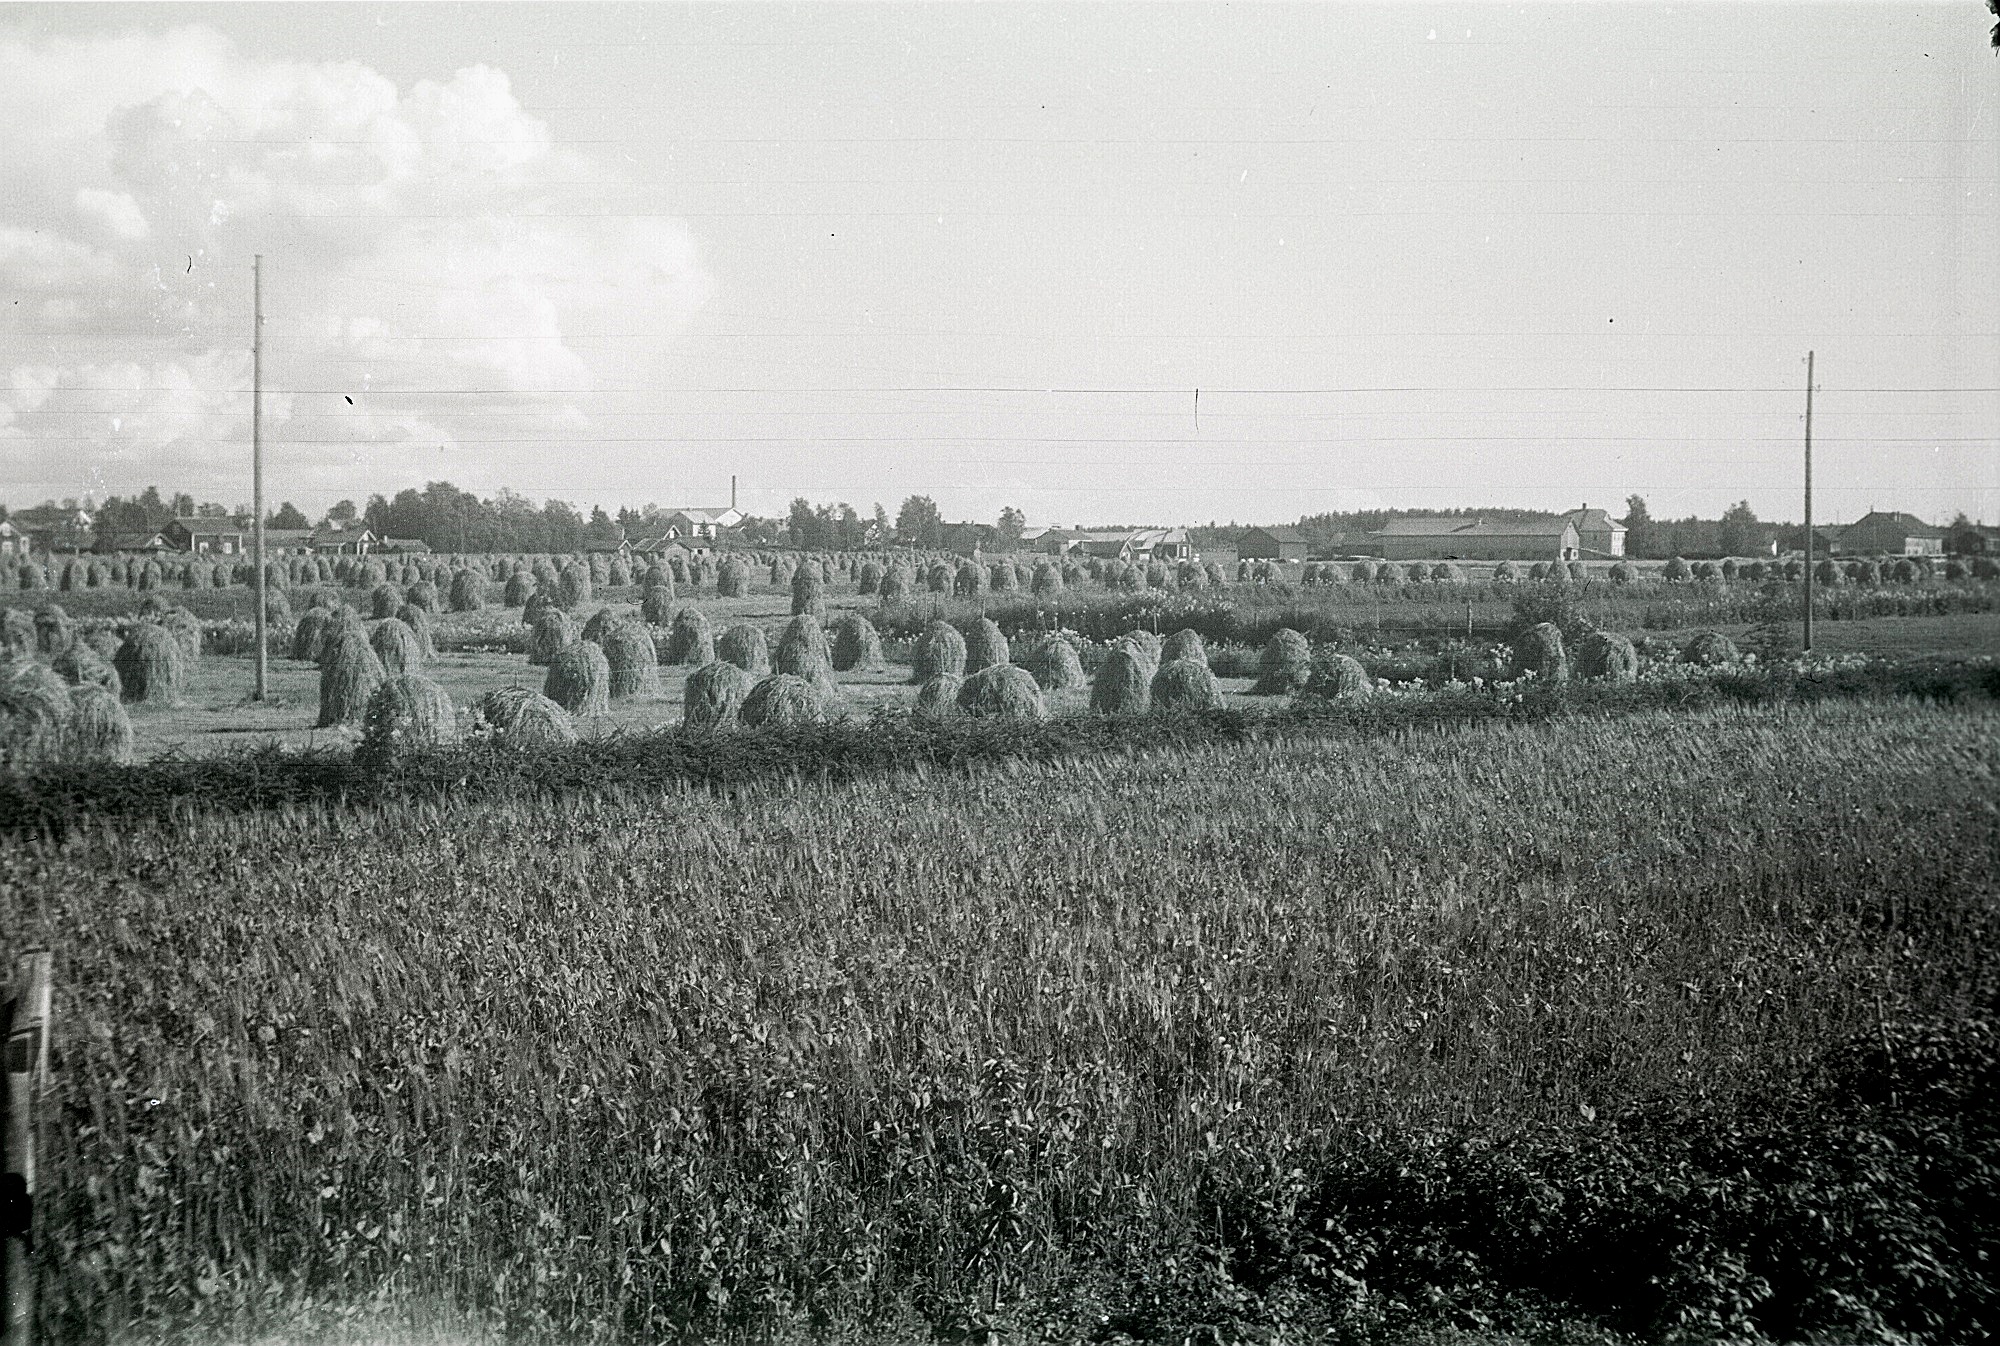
(1424,538)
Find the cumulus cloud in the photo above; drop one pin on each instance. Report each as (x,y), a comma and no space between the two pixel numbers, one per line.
(409,244)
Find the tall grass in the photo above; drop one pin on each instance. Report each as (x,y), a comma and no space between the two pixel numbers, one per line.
(683,1063)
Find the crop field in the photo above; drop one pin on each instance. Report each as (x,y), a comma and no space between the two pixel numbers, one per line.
(482,651)
(1669,1025)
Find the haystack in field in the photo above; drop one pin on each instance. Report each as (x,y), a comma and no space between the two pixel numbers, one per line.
(407,711)
(732,578)
(184,627)
(714,694)
(1337,676)
(1607,655)
(1710,648)
(80,665)
(809,593)
(35,710)
(520,588)
(468,591)
(1184,644)
(690,641)
(782,699)
(53,629)
(152,667)
(1285,666)
(940,649)
(744,646)
(1123,685)
(396,645)
(1185,684)
(384,601)
(1055,665)
(985,647)
(348,675)
(856,645)
(580,679)
(656,608)
(309,631)
(1146,645)
(937,699)
(423,626)
(634,664)
(524,718)
(803,652)
(1002,691)
(99,730)
(17,633)
(553,632)
(1539,650)
(573,587)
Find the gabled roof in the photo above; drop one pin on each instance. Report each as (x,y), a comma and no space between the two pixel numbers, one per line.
(1280,532)
(283,535)
(140,540)
(1425,526)
(704,514)
(194,524)
(1419,525)
(333,532)
(1594,520)
(1911,525)
(47,516)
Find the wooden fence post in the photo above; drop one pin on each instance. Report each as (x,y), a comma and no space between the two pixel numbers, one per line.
(24,1020)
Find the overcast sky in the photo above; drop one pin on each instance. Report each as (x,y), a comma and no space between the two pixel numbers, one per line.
(1412,255)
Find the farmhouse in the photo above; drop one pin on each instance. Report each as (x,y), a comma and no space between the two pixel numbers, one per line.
(54,528)
(1972,539)
(1277,543)
(1597,533)
(219,537)
(333,539)
(132,540)
(13,542)
(1889,531)
(692,522)
(288,541)
(1426,538)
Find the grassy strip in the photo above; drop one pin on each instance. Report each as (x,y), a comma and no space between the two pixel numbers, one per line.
(54,798)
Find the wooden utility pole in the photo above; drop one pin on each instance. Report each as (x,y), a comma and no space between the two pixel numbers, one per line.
(257,463)
(1809,526)
(24,1019)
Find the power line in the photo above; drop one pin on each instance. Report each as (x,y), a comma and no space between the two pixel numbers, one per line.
(1013,390)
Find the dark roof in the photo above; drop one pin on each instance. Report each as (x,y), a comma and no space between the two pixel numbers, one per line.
(1911,525)
(1597,520)
(1422,525)
(1431,526)
(1281,532)
(196,524)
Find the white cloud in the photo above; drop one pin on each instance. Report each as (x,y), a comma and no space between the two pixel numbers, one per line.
(115,211)
(408,247)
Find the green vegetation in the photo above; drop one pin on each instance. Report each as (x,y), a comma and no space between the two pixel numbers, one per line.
(1620,1024)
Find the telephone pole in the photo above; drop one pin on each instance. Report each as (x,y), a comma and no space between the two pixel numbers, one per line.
(1809,527)
(257,464)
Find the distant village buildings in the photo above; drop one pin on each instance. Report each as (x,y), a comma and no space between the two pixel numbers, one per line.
(1420,538)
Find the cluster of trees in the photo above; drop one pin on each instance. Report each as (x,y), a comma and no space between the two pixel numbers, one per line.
(1738,532)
